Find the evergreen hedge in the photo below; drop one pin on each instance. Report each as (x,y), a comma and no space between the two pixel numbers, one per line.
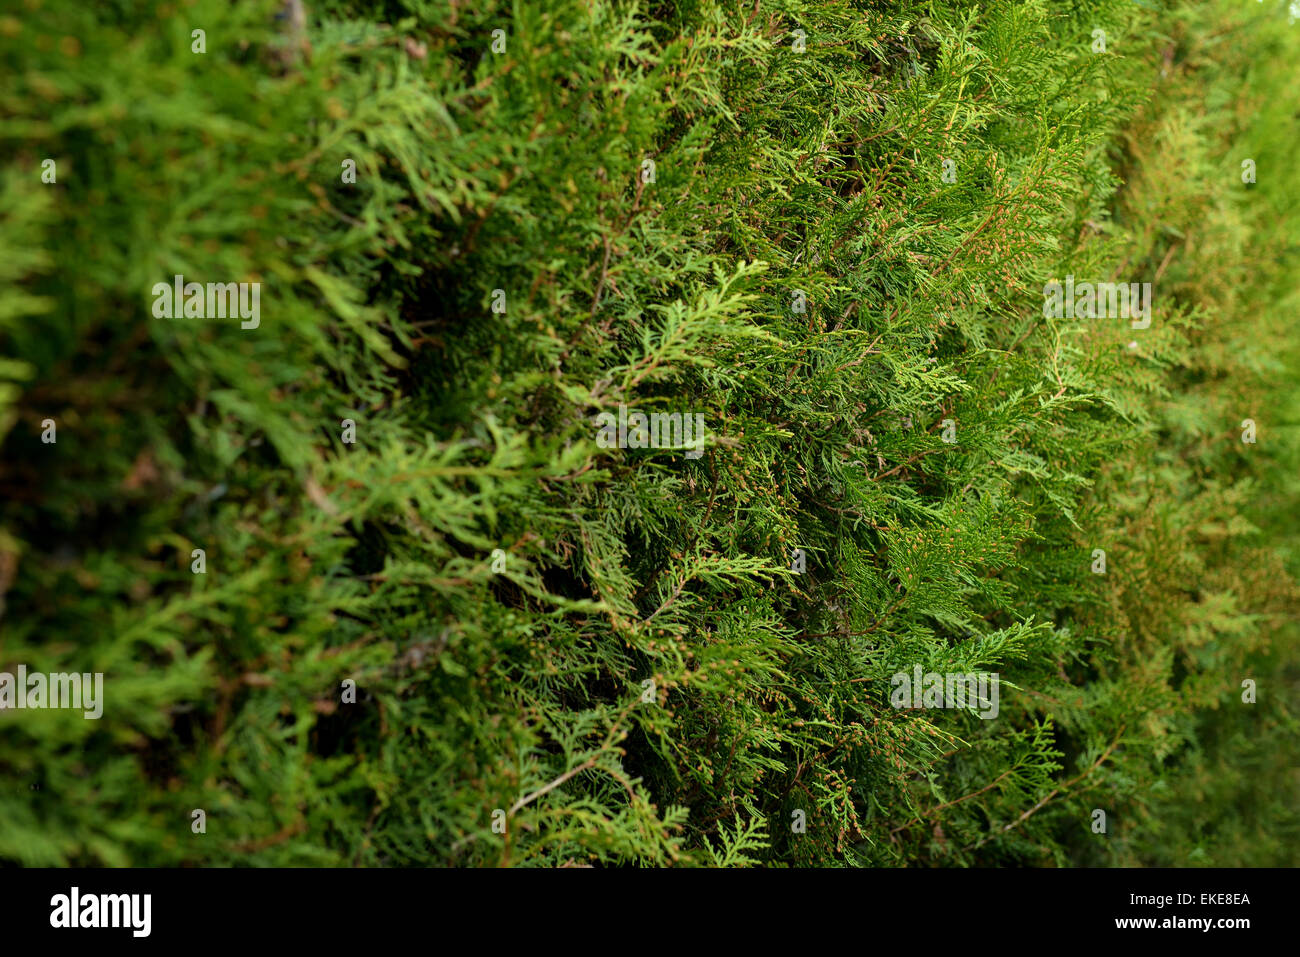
(825,228)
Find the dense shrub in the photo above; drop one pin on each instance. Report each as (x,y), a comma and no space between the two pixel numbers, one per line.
(741,211)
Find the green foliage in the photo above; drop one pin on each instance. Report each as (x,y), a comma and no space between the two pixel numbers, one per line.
(647,678)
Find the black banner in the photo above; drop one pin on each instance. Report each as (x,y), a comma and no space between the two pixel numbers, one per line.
(336,907)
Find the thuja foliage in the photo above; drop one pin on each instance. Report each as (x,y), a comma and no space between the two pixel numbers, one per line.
(825,228)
